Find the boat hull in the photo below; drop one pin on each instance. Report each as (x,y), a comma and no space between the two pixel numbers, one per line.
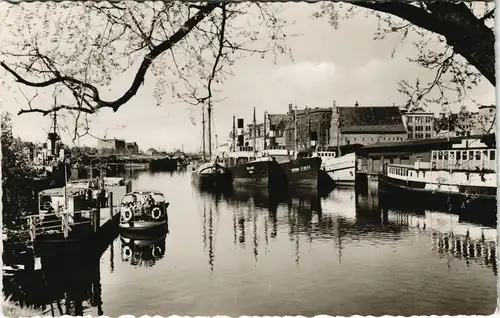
(212,180)
(469,197)
(140,226)
(342,170)
(141,238)
(163,164)
(259,173)
(303,172)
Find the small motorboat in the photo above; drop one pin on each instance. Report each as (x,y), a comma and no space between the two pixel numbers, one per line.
(143,210)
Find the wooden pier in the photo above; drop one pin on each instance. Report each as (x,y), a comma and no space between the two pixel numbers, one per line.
(60,233)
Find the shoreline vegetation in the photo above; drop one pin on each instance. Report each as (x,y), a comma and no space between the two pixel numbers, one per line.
(12,309)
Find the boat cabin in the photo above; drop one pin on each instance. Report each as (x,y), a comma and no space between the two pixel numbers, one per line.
(325,155)
(464,159)
(140,197)
(67,199)
(280,153)
(143,205)
(241,155)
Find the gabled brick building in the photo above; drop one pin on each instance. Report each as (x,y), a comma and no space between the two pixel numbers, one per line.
(280,123)
(366,125)
(312,123)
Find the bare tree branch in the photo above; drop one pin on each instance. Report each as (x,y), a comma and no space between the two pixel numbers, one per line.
(138,79)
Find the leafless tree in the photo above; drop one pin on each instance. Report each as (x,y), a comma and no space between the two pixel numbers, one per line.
(462,34)
(80,49)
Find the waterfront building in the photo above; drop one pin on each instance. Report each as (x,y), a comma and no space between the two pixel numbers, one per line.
(466,123)
(132,147)
(419,125)
(366,125)
(312,124)
(111,144)
(485,122)
(280,124)
(273,122)
(259,136)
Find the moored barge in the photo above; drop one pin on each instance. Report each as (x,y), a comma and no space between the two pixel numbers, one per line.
(248,169)
(212,175)
(457,178)
(301,172)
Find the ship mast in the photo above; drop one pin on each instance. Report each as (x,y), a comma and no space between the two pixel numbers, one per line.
(254,133)
(209,130)
(308,132)
(203,123)
(265,120)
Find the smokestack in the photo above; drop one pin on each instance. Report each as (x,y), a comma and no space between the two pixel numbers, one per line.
(241,140)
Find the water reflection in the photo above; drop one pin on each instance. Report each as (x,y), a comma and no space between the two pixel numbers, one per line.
(208,233)
(58,290)
(144,250)
(250,252)
(342,217)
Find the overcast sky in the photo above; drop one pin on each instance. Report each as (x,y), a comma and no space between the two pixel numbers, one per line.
(345,65)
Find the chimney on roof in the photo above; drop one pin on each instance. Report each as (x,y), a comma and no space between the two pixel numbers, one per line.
(356,104)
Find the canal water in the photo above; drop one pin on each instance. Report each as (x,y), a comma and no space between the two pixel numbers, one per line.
(248,253)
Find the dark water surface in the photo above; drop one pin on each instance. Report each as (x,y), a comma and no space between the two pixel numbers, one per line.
(245,254)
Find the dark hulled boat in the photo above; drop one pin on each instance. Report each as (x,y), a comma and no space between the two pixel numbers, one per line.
(264,171)
(212,175)
(303,172)
(163,164)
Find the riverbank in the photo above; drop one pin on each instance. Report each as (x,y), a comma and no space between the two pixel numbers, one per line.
(11,309)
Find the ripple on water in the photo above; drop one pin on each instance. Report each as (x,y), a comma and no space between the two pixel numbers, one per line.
(234,258)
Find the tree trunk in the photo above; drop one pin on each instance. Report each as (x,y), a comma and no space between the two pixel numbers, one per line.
(467,34)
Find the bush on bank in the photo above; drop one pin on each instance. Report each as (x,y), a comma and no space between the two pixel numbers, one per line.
(19,177)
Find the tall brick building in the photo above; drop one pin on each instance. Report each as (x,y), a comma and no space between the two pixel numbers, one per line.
(419,125)
(310,122)
(366,125)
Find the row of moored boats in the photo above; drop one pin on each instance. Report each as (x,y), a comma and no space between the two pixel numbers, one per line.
(277,167)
